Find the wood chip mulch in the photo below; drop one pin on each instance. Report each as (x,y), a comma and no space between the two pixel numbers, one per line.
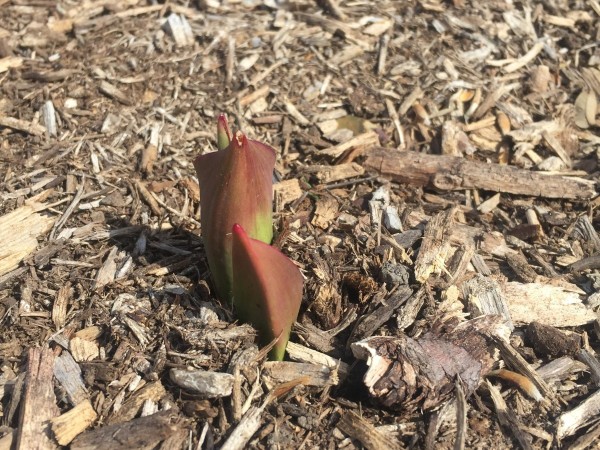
(436,183)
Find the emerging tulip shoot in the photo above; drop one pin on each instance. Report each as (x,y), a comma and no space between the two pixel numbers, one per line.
(236,197)
(267,291)
(236,186)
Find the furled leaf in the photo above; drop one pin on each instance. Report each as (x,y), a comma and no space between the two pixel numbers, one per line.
(224,135)
(267,291)
(236,186)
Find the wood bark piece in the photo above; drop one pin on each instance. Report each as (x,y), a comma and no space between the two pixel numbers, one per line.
(38,405)
(19,233)
(507,418)
(143,433)
(435,247)
(363,431)
(484,297)
(203,383)
(550,341)
(560,369)
(69,425)
(152,391)
(369,323)
(68,374)
(420,373)
(34,129)
(300,353)
(454,173)
(514,360)
(592,363)
(9,62)
(580,416)
(316,375)
(548,304)
(244,430)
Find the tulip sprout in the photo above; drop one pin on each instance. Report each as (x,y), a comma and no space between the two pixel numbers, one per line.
(236,199)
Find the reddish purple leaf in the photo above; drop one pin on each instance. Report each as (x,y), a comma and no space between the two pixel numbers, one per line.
(236,186)
(267,291)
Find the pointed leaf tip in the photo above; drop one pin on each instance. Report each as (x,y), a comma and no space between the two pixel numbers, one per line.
(267,289)
(223,132)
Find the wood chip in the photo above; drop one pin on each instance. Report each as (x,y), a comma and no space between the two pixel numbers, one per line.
(329,174)
(581,415)
(203,383)
(19,233)
(22,125)
(113,92)
(38,405)
(71,424)
(363,431)
(547,304)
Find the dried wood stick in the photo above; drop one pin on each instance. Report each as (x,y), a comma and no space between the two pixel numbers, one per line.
(38,402)
(454,173)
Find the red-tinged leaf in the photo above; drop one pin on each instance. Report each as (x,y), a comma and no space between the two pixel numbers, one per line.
(236,186)
(224,135)
(267,291)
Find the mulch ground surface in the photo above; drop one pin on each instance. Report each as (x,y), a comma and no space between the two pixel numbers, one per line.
(435,183)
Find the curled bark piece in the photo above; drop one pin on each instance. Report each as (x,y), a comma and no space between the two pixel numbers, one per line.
(420,373)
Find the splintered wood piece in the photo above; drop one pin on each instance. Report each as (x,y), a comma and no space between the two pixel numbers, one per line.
(49,117)
(454,173)
(38,404)
(367,324)
(203,383)
(363,431)
(106,273)
(583,414)
(113,92)
(143,433)
(592,363)
(548,304)
(59,309)
(9,62)
(71,424)
(6,441)
(152,391)
(325,212)
(435,247)
(34,129)
(410,310)
(245,429)
(83,350)
(362,142)
(329,174)
(484,296)
(461,415)
(508,418)
(420,373)
(68,373)
(180,30)
(316,375)
(584,229)
(514,360)
(287,191)
(560,369)
(19,233)
(300,353)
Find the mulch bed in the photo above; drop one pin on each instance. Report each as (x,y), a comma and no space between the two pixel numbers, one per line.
(436,183)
